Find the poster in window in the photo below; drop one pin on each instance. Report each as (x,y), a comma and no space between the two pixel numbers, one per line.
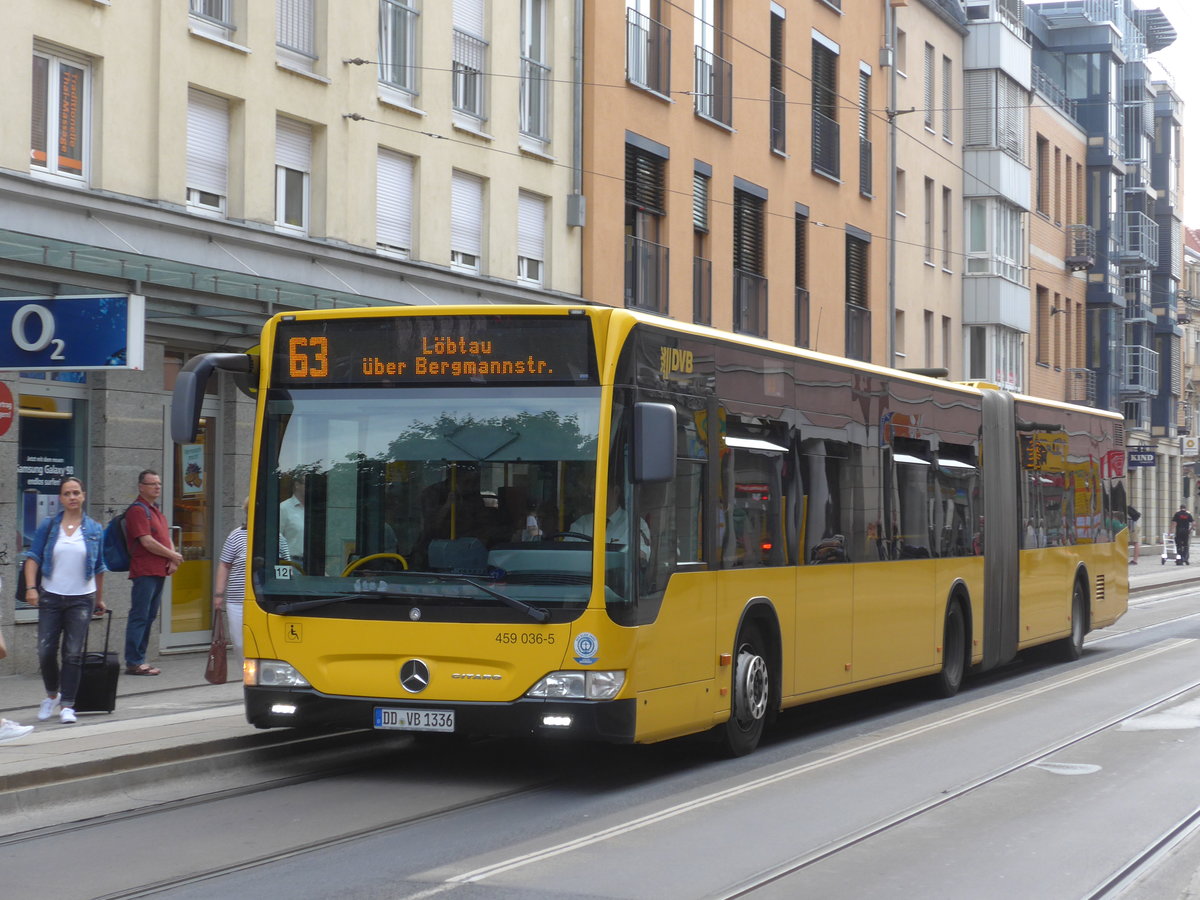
(191,459)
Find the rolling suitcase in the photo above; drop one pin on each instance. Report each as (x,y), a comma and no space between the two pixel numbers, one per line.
(98,684)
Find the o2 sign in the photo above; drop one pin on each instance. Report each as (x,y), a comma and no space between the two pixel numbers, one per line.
(72,333)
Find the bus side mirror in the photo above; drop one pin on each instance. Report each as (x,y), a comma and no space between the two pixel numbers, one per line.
(188,395)
(653,442)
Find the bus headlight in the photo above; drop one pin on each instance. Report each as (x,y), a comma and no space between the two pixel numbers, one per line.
(271,673)
(600,685)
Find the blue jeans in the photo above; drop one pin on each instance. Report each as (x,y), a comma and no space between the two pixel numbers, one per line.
(145,598)
(66,619)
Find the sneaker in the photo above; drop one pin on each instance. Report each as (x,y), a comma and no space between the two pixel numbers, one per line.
(68,716)
(10,730)
(46,710)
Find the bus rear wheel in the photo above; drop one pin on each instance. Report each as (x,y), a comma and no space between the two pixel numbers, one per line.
(751,695)
(954,652)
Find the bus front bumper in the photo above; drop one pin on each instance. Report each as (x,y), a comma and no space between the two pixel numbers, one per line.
(610,721)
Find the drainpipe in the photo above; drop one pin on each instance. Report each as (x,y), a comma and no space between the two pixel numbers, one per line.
(890,57)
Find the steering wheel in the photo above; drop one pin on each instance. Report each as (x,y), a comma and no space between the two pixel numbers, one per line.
(576,535)
(358,562)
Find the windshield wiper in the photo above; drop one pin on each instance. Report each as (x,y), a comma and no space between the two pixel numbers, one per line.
(299,605)
(536,613)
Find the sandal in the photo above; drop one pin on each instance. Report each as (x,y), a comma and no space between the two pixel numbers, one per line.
(143,669)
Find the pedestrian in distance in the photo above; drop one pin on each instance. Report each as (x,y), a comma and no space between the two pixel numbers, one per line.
(1132,515)
(66,549)
(1184,526)
(10,730)
(152,558)
(230,592)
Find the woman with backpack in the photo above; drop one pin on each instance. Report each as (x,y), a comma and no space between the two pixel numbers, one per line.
(67,551)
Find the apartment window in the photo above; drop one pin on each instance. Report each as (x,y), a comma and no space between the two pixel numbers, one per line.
(59,140)
(647,47)
(901,187)
(714,74)
(535,71)
(1042,175)
(531,238)
(750,287)
(1057,190)
(296,32)
(928,323)
(645,208)
(901,336)
(995,239)
(394,203)
(1043,325)
(701,263)
(947,216)
(858,313)
(929,58)
(946,343)
(778,97)
(398,23)
(865,154)
(1069,191)
(803,334)
(901,52)
(929,220)
(213,18)
(996,112)
(466,222)
(947,98)
(207,152)
(826,138)
(470,58)
(293,167)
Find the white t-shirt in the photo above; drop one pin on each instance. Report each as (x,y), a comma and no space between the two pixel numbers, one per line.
(70,562)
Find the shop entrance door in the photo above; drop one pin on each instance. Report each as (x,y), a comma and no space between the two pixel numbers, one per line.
(191,484)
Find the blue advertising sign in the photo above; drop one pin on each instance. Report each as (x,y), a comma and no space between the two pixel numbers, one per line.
(1139,456)
(45,334)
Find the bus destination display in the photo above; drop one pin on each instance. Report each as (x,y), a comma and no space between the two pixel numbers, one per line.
(435,350)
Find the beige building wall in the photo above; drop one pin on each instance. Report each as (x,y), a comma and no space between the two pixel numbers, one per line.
(929,196)
(145,56)
(1057,156)
(742,149)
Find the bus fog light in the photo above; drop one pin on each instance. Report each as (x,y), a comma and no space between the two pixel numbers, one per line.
(277,673)
(283,709)
(556,721)
(604,685)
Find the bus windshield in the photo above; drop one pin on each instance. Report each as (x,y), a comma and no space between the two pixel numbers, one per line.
(442,498)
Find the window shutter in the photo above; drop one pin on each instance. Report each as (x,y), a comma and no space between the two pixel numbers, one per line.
(394,200)
(293,145)
(207,143)
(928,85)
(947,96)
(856,271)
(531,226)
(801,251)
(980,101)
(466,214)
(747,232)
(824,80)
(644,181)
(700,184)
(295,24)
(468,16)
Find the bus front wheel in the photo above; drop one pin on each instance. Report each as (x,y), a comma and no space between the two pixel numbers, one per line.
(1070,648)
(751,695)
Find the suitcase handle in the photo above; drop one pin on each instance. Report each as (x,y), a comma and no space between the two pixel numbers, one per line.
(107,630)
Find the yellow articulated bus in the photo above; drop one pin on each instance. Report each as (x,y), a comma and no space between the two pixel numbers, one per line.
(593,523)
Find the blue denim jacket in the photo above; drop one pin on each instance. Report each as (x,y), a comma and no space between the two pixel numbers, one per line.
(42,549)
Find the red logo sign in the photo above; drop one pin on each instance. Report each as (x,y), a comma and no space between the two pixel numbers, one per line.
(7,411)
(1116,463)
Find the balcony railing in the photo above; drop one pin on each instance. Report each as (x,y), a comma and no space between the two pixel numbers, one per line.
(826,146)
(1141,241)
(778,121)
(858,332)
(803,334)
(749,303)
(1057,96)
(647,53)
(646,271)
(1141,370)
(865,183)
(701,290)
(714,87)
(535,99)
(1081,386)
(1081,247)
(1138,309)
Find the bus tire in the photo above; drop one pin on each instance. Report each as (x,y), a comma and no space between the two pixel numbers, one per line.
(1070,648)
(750,699)
(954,652)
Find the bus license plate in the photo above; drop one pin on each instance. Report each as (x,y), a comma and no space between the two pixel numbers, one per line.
(414,719)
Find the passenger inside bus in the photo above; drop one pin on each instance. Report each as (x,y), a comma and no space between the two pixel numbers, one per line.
(617,527)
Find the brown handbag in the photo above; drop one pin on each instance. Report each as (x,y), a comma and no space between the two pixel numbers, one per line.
(217,669)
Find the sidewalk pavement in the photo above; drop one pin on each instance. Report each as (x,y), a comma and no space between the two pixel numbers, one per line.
(178,716)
